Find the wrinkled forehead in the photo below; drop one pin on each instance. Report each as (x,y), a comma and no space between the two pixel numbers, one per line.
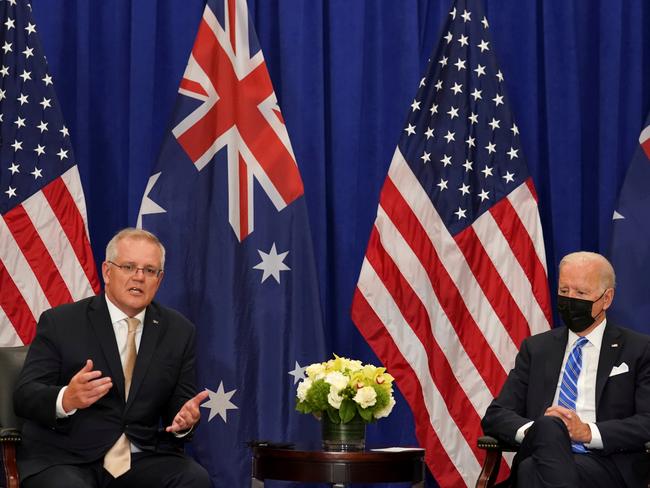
(138,250)
(580,273)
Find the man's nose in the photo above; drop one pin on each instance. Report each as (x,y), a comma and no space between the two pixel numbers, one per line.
(139,274)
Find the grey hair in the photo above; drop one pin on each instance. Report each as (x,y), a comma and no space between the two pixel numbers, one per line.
(133,233)
(605,268)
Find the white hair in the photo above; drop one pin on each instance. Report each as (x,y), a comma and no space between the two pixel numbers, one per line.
(605,268)
(133,233)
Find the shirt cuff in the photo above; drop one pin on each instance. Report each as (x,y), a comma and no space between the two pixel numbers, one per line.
(596,439)
(180,435)
(60,413)
(521,432)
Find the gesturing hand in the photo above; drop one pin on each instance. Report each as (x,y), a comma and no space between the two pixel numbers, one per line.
(85,388)
(189,413)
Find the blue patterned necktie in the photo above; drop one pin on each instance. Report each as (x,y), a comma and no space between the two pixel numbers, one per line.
(569,386)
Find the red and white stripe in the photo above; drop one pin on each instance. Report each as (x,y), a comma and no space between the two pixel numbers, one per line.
(45,257)
(446,314)
(240,111)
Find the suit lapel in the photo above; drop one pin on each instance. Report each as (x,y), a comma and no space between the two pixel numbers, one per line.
(100,321)
(610,351)
(554,358)
(151,332)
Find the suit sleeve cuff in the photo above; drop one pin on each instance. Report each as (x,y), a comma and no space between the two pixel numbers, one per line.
(596,439)
(521,432)
(60,412)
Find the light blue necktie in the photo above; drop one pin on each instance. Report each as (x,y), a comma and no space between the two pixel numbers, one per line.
(569,385)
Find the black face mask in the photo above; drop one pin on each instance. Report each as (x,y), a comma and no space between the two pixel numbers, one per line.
(576,312)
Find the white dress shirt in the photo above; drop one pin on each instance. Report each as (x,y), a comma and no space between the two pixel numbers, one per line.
(586,401)
(121,328)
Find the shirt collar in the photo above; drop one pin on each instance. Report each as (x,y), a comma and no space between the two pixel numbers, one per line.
(117,315)
(595,337)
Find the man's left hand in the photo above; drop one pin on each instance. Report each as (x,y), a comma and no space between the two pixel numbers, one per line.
(189,413)
(578,430)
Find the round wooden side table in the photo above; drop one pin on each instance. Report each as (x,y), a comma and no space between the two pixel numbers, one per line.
(338,468)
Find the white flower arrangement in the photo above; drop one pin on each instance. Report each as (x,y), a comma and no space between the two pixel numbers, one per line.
(344,388)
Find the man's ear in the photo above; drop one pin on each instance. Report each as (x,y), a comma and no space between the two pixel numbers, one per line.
(105,273)
(160,278)
(608,298)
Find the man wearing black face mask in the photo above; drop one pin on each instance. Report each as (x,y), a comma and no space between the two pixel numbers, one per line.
(578,398)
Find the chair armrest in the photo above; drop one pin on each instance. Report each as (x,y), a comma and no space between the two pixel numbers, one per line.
(10,435)
(490,469)
(8,467)
(490,443)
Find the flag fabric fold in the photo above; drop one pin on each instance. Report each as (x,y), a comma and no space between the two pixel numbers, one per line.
(454,276)
(45,254)
(629,252)
(226,199)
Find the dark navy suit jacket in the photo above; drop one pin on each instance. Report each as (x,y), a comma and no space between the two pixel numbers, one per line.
(622,401)
(163,380)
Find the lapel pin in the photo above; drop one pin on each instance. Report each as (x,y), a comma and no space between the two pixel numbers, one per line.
(615,345)
(155,322)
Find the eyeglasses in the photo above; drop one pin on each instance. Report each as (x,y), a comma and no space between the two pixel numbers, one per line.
(131,269)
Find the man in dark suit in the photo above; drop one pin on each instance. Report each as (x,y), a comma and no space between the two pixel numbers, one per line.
(108,387)
(580,408)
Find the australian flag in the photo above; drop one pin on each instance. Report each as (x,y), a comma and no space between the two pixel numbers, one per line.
(630,250)
(226,199)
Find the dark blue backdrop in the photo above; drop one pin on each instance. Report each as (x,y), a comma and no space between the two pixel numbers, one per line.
(577,75)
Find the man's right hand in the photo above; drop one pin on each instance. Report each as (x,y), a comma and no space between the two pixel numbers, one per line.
(85,388)
(579,431)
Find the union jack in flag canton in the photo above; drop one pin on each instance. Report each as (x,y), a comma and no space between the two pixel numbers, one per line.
(454,276)
(226,198)
(45,254)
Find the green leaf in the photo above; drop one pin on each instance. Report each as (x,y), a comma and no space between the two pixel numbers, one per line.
(347,410)
(333,414)
(366,414)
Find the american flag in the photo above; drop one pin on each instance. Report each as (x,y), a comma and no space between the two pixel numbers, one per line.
(454,275)
(226,198)
(45,254)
